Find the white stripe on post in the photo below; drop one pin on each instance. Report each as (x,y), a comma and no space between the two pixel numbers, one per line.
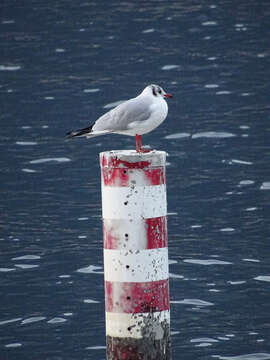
(134,210)
(129,325)
(134,203)
(135,265)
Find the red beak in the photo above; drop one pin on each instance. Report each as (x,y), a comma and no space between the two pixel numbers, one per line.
(167,95)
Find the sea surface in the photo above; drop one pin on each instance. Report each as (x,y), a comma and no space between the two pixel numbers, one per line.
(62,65)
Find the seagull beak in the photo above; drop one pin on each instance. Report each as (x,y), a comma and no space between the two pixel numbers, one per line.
(167,95)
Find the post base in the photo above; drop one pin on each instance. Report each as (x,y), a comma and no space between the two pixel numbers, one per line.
(139,349)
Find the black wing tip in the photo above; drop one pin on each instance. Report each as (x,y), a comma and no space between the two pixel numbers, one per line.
(80,132)
(70,134)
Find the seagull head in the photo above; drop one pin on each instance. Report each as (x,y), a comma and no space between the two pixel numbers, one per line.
(156,91)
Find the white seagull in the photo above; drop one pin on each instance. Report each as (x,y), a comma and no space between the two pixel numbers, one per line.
(133,117)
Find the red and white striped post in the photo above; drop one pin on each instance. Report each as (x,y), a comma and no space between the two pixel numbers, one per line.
(134,209)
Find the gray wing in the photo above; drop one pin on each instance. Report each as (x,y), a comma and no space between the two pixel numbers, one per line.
(119,118)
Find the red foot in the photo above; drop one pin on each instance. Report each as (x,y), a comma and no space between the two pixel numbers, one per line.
(139,145)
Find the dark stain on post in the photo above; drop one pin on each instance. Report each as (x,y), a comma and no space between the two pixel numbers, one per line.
(146,348)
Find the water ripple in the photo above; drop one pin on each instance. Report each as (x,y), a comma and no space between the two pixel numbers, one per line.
(196,302)
(26,143)
(170,67)
(44,160)
(27,257)
(265,186)
(91,269)
(254,356)
(177,136)
(206,262)
(213,135)
(33,319)
(4,322)
(263,278)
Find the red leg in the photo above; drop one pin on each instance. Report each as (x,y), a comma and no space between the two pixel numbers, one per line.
(139,145)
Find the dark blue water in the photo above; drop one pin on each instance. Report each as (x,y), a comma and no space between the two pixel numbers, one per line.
(61,63)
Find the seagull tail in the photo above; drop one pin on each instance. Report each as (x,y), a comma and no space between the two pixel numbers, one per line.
(81,132)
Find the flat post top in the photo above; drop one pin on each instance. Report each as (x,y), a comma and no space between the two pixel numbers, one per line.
(132,159)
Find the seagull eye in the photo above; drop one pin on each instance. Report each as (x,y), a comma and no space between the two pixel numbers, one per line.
(159,91)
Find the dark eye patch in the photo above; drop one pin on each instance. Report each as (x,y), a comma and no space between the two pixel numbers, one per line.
(154,91)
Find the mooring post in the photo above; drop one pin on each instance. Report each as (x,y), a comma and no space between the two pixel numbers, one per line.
(134,210)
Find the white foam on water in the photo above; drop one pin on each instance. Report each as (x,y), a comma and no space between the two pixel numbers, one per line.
(147,31)
(177,136)
(44,160)
(91,269)
(207,262)
(169,67)
(13,345)
(33,319)
(209,23)
(253,356)
(27,257)
(10,67)
(56,320)
(223,92)
(251,260)
(242,162)
(246,182)
(26,143)
(90,301)
(263,278)
(91,90)
(213,134)
(209,340)
(6,22)
(211,86)
(228,229)
(29,170)
(265,186)
(196,302)
(25,267)
(10,321)
(175,276)
(6,269)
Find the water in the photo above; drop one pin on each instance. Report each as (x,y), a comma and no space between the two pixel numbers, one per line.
(62,65)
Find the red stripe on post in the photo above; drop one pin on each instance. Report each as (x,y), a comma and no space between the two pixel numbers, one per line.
(118,163)
(156,232)
(155,176)
(144,297)
(115,176)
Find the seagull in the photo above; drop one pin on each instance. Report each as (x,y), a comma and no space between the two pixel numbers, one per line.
(134,117)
